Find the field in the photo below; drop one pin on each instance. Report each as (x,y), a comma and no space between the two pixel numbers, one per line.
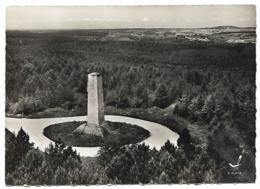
(200,79)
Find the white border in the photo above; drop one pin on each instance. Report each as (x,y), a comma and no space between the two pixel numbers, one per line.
(125,2)
(5,3)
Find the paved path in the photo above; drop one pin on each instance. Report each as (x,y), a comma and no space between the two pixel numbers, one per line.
(159,134)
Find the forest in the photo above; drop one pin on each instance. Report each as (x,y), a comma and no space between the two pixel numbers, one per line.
(209,85)
(134,164)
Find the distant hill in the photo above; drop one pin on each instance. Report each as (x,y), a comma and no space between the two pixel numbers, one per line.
(227,27)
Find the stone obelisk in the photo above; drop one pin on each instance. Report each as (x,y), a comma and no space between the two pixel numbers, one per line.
(95,119)
(95,99)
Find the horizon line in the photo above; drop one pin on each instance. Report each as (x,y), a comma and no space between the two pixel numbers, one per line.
(67,29)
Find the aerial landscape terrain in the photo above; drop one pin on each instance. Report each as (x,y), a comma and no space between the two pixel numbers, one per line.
(196,82)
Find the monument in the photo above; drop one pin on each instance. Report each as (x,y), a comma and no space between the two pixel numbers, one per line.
(95,119)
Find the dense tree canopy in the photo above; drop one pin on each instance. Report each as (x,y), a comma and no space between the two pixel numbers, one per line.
(131,164)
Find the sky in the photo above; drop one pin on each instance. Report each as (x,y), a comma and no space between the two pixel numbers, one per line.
(104,17)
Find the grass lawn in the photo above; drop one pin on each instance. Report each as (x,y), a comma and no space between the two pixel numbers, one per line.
(120,134)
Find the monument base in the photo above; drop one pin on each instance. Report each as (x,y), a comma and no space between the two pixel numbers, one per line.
(90,129)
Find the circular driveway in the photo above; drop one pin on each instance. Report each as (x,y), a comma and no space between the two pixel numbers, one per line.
(159,134)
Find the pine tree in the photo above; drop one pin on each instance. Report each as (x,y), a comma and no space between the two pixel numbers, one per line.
(10,152)
(161,97)
(22,144)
